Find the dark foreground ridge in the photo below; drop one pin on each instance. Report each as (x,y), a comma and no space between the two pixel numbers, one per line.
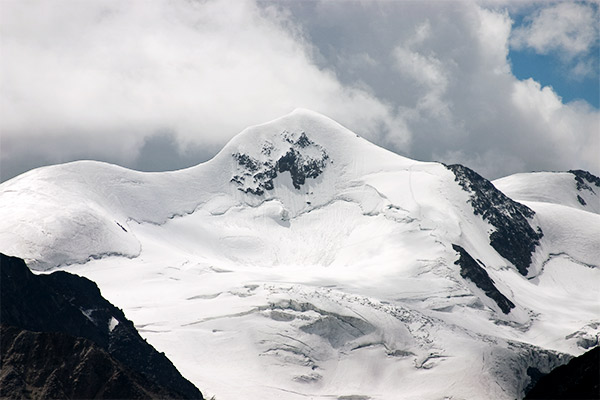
(514,239)
(470,269)
(62,339)
(579,379)
(51,365)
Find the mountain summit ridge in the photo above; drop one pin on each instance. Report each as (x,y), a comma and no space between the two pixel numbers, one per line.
(109,197)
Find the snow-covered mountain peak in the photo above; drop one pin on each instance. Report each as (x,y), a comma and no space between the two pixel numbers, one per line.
(301,161)
(296,163)
(304,144)
(318,127)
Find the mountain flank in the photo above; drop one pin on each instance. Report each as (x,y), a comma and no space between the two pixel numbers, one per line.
(513,237)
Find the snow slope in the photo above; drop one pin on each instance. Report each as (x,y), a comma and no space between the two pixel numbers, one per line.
(576,189)
(305,261)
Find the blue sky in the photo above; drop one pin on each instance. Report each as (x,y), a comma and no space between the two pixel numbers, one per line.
(551,68)
(550,71)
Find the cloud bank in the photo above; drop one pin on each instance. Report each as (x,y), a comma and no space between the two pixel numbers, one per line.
(165,83)
(99,79)
(445,66)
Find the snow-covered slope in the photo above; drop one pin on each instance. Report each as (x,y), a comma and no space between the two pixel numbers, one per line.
(577,189)
(305,261)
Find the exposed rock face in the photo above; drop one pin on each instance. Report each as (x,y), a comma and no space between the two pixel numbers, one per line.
(585,180)
(470,269)
(301,157)
(579,379)
(50,365)
(64,303)
(513,238)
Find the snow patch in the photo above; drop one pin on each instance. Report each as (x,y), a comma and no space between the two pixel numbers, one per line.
(112,324)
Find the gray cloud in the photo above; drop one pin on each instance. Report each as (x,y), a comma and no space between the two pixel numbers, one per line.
(445,66)
(164,84)
(162,152)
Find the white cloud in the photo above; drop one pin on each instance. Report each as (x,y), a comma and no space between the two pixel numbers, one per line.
(567,132)
(492,30)
(568,27)
(494,122)
(585,68)
(426,70)
(94,79)
(512,125)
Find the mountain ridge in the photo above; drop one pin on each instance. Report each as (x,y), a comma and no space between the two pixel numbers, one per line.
(301,250)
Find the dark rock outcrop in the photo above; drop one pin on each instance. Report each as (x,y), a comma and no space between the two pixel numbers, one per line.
(585,180)
(471,270)
(579,379)
(256,177)
(50,365)
(71,305)
(513,238)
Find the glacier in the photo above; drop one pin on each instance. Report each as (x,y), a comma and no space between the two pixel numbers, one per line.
(303,261)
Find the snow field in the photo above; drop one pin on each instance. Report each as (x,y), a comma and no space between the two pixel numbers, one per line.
(345,287)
